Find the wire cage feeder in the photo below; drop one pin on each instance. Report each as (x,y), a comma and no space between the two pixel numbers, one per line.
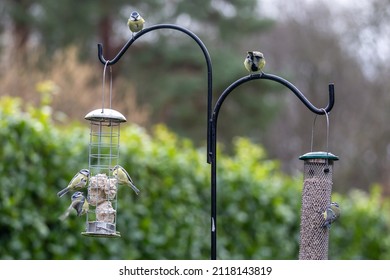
(316,196)
(102,188)
(103,156)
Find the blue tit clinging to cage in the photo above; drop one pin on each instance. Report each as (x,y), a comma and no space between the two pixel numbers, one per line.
(331,213)
(78,181)
(79,203)
(254,61)
(135,22)
(123,177)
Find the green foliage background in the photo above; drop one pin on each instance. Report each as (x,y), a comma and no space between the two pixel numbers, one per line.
(259,206)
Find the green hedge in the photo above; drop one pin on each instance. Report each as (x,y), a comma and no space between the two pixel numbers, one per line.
(258,205)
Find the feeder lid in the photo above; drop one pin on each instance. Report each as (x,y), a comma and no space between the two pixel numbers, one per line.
(100,115)
(319,155)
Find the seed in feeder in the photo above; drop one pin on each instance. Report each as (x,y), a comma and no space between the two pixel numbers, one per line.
(96,189)
(110,189)
(105,212)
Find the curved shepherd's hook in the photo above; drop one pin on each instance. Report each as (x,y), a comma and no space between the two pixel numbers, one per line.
(206,56)
(213,136)
(297,92)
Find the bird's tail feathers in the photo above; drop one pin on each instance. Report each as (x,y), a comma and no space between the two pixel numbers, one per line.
(135,189)
(66,214)
(62,192)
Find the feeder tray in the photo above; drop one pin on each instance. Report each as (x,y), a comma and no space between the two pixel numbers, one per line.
(101,229)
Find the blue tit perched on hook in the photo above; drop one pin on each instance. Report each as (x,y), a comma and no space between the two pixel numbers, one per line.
(254,62)
(135,22)
(79,203)
(331,214)
(123,177)
(78,181)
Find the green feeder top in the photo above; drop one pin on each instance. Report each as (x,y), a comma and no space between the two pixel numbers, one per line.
(102,115)
(319,155)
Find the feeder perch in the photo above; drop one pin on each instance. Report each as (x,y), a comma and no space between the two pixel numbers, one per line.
(316,196)
(102,188)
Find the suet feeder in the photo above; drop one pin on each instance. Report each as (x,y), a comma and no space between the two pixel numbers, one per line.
(102,188)
(316,196)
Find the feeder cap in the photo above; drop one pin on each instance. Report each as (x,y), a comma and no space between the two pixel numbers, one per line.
(101,115)
(319,155)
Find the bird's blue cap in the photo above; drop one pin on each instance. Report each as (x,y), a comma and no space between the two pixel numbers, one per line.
(134,14)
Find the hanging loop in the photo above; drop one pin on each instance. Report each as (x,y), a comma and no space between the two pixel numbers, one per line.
(103,86)
(327,131)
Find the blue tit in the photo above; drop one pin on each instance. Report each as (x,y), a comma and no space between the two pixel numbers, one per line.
(79,203)
(254,62)
(331,213)
(78,181)
(123,177)
(135,22)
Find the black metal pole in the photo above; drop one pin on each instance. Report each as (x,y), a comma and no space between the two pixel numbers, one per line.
(213,135)
(209,95)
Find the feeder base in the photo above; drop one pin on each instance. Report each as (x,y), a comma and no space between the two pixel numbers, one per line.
(101,229)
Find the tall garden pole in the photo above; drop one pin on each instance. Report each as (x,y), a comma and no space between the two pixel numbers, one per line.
(214,120)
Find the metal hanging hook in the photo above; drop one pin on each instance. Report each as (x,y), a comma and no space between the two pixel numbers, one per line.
(213,129)
(204,51)
(209,97)
(280,80)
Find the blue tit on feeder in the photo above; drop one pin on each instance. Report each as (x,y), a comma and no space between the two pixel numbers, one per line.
(123,177)
(78,181)
(254,62)
(79,203)
(331,213)
(135,22)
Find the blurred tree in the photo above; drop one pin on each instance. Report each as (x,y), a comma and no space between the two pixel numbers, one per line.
(172,60)
(317,50)
(366,35)
(22,23)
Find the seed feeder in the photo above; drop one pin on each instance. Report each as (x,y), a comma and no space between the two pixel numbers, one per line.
(316,196)
(103,155)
